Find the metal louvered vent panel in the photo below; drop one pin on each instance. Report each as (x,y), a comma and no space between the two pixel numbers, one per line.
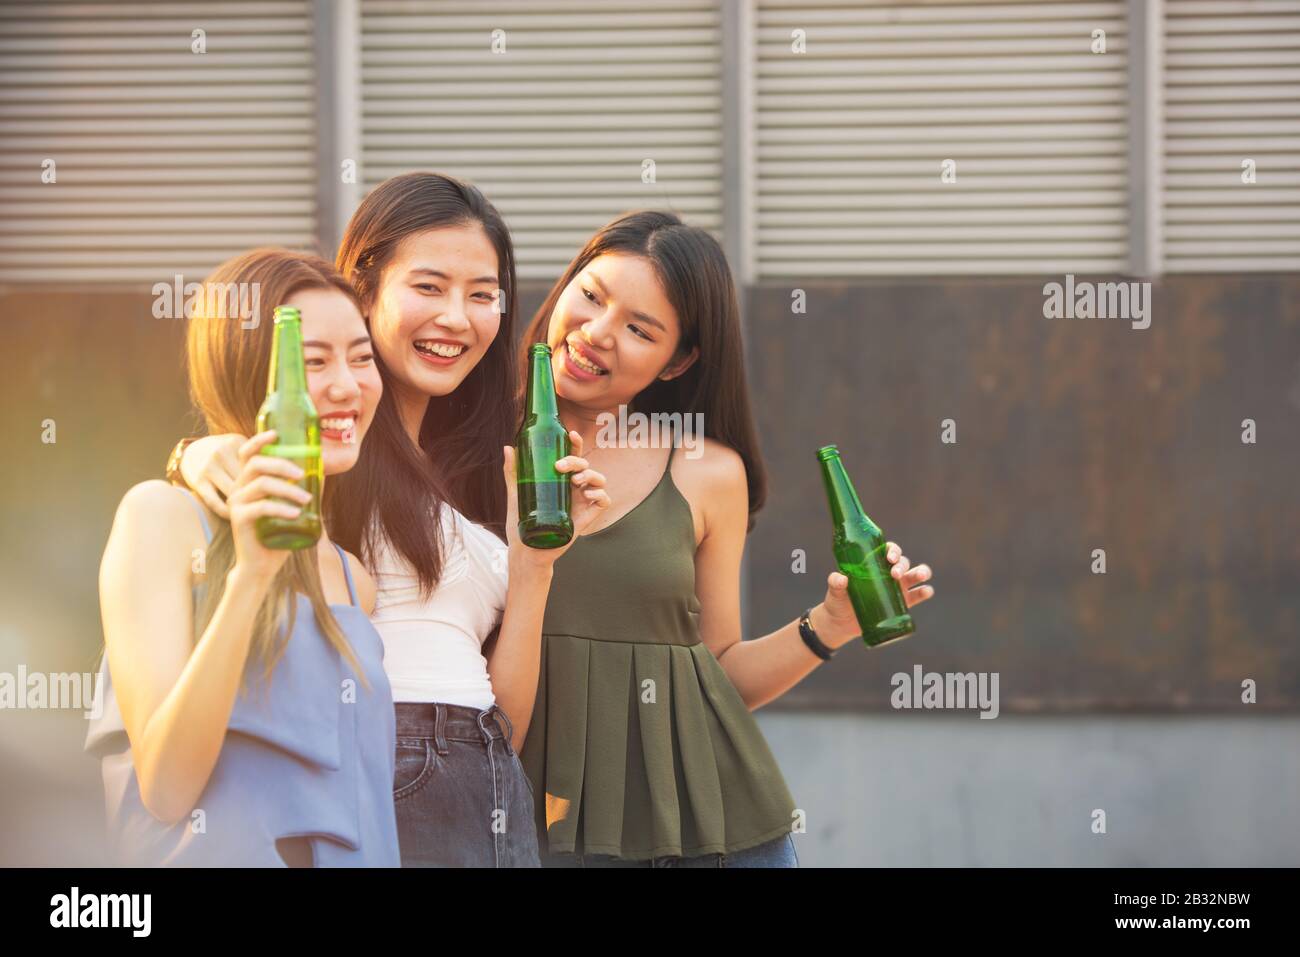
(1232,94)
(852,134)
(166,160)
(556,128)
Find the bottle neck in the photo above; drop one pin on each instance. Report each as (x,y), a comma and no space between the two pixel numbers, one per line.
(541,386)
(288,371)
(846,509)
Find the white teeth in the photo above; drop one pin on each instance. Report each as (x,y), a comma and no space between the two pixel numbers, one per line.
(345,424)
(444,349)
(583,364)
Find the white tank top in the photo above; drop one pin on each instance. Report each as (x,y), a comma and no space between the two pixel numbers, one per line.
(433,648)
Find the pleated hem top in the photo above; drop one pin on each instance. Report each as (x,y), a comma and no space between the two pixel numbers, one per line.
(308,753)
(640,746)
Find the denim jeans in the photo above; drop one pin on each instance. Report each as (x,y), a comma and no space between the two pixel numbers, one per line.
(460,792)
(776,853)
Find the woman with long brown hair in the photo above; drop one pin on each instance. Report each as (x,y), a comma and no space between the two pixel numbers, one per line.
(246,717)
(642,749)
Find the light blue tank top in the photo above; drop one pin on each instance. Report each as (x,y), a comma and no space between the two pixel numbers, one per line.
(305,755)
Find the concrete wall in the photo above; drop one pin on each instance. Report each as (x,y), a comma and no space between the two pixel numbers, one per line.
(1019,791)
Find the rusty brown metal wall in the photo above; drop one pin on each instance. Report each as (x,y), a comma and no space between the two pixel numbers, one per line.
(1072,435)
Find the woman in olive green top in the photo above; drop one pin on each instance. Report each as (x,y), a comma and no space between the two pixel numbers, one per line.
(641,748)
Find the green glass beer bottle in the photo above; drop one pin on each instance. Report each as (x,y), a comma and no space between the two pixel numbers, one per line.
(289,410)
(860,547)
(544,493)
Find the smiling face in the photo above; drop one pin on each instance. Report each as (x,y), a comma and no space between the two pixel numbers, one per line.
(613,332)
(342,377)
(435,311)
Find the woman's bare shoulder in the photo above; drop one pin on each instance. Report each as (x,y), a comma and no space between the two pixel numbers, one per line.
(710,466)
(711,477)
(167,509)
(156,527)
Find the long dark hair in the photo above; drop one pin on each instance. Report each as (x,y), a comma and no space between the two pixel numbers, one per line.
(693,271)
(396,490)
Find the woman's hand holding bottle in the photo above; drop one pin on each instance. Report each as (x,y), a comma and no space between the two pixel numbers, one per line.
(834,619)
(263,487)
(589,500)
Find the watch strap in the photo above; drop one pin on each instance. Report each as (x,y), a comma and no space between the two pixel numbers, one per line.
(173,472)
(809,636)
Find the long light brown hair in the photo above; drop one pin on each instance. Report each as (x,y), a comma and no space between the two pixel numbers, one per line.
(228,356)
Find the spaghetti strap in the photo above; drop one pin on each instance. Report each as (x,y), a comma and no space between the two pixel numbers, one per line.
(347,573)
(672,447)
(203,515)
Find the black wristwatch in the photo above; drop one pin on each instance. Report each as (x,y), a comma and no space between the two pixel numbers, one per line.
(810,638)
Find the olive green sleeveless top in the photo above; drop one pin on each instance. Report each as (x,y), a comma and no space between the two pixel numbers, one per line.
(640,746)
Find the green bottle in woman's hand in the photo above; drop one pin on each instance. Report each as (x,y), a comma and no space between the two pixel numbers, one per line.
(289,410)
(545,499)
(860,548)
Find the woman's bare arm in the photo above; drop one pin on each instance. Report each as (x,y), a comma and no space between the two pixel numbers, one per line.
(175,695)
(762,669)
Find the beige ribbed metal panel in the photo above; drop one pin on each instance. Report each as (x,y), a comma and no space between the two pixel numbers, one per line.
(167,161)
(556,129)
(1232,93)
(851,136)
